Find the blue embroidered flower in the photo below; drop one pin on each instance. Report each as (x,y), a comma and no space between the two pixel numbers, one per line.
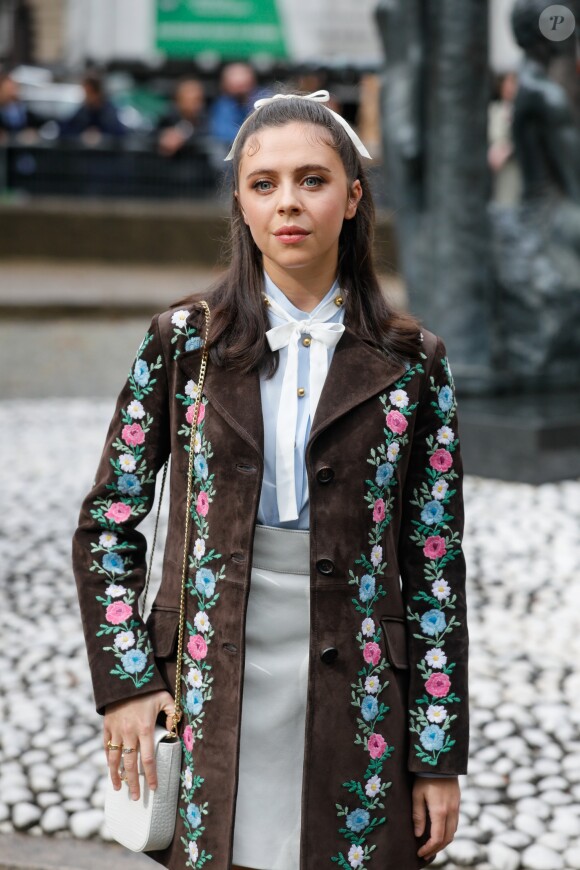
(369,708)
(193,343)
(432,737)
(200,465)
(433,622)
(194,701)
(129,484)
(366,588)
(357,820)
(384,473)
(432,513)
(194,815)
(113,563)
(445,398)
(141,372)
(134,661)
(205,581)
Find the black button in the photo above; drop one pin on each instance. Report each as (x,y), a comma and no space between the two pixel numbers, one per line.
(325,475)
(329,655)
(230,647)
(325,566)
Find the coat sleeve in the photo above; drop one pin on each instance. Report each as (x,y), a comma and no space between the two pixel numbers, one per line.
(432,568)
(108,552)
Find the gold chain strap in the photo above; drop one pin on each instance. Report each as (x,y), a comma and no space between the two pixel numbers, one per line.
(178,709)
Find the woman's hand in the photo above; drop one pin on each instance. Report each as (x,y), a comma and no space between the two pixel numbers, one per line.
(438,796)
(130,724)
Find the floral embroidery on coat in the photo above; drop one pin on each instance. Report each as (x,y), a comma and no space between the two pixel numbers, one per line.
(128,642)
(202,585)
(368,791)
(431,719)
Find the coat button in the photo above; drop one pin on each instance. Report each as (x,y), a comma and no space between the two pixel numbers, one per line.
(325,566)
(329,655)
(325,474)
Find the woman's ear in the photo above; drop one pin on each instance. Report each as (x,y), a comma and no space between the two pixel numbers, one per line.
(354,197)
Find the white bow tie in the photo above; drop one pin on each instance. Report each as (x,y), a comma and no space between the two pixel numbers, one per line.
(323,336)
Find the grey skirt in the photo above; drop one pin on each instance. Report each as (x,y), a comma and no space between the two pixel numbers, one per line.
(268,806)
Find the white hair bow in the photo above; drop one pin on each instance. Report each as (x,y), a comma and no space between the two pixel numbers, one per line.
(318,97)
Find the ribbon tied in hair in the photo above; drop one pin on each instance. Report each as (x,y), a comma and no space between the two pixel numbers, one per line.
(317,97)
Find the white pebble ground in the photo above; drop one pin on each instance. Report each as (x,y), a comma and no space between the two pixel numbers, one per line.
(521,799)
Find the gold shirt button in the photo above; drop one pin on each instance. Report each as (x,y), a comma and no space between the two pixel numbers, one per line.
(301,391)
(338,300)
(306,341)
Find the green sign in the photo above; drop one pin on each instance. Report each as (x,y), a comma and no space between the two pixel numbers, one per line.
(234,29)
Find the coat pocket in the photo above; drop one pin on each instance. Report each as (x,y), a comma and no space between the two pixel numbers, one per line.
(163,627)
(395,634)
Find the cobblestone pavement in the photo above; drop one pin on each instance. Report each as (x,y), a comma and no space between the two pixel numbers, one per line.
(521,803)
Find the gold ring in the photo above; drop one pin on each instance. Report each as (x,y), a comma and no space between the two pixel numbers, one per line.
(113,745)
(128,751)
(123,778)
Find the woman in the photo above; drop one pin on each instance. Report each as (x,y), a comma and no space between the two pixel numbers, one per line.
(324,686)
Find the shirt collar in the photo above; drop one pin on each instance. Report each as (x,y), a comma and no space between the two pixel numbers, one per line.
(274,291)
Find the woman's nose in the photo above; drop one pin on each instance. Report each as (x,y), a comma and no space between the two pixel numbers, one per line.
(288,199)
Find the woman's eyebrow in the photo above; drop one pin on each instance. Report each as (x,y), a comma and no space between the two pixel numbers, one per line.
(308,167)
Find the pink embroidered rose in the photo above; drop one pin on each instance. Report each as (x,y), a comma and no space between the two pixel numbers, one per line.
(202,506)
(188,737)
(189,414)
(379,511)
(438,685)
(441,460)
(133,434)
(118,612)
(396,422)
(197,647)
(376,745)
(119,512)
(372,653)
(435,547)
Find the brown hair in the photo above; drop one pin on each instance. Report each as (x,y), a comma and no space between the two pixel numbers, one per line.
(239,317)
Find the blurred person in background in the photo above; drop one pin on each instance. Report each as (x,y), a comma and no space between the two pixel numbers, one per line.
(185,121)
(15,117)
(232,107)
(96,117)
(506,180)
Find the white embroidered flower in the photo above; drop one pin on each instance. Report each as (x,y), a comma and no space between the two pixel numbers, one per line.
(115,591)
(191,389)
(127,462)
(179,318)
(125,640)
(196,442)
(373,785)
(107,539)
(399,398)
(201,621)
(193,851)
(393,450)
(435,658)
(439,490)
(195,678)
(436,713)
(187,778)
(135,410)
(372,685)
(199,548)
(445,435)
(376,555)
(355,855)
(368,626)
(441,589)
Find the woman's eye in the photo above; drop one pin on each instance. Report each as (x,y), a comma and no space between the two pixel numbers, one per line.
(262,185)
(312,181)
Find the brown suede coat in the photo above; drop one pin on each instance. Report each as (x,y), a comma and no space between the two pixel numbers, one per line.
(387,690)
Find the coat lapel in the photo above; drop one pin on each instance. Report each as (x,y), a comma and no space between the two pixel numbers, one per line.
(235,396)
(357,372)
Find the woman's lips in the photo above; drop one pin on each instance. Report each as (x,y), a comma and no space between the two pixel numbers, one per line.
(291,235)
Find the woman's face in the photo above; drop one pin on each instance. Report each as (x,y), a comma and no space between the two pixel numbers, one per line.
(294,195)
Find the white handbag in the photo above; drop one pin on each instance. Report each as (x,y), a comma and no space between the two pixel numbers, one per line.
(149,823)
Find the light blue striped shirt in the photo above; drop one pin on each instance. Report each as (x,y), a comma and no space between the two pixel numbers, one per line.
(271,390)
